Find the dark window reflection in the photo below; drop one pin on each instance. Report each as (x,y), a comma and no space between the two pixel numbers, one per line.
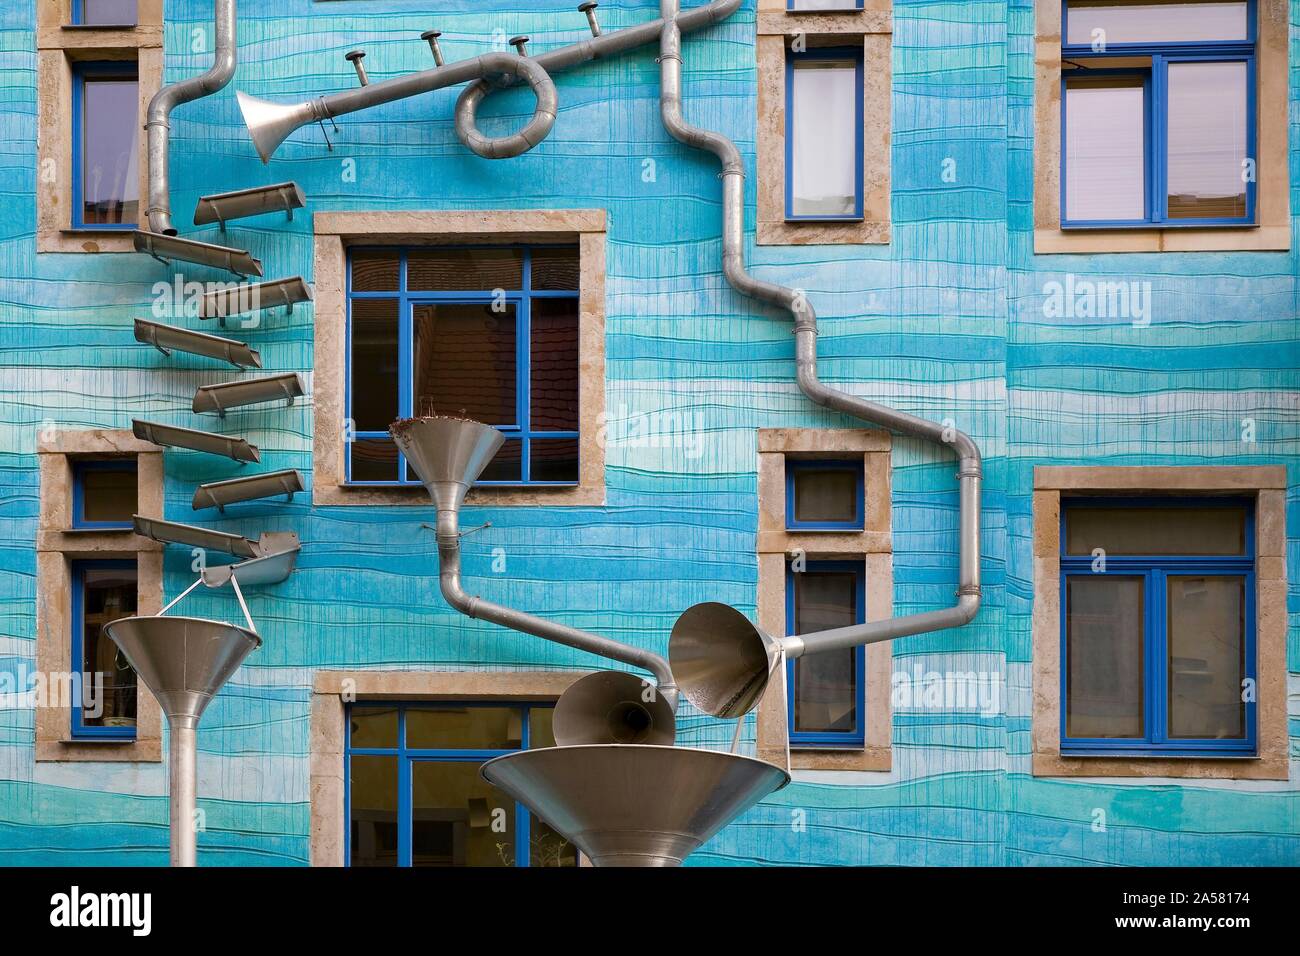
(106,595)
(110,176)
(825,685)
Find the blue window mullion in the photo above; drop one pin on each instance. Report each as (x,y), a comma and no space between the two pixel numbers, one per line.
(1157,662)
(405,357)
(523,381)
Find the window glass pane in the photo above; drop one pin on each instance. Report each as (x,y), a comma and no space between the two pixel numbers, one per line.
(823,132)
(825,697)
(1207,140)
(374,459)
(108,494)
(554,372)
(376,271)
(107,12)
(555,269)
(456,270)
(508,465)
(540,727)
(1105,149)
(464,728)
(465,361)
(372,795)
(107,594)
(1122,22)
(554,459)
(458,818)
(1104,635)
(548,848)
(374,727)
(110,182)
(1162,531)
(826,494)
(374,364)
(1207,656)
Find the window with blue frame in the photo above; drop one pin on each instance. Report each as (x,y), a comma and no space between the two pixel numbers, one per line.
(486,332)
(105,145)
(105,494)
(1158,627)
(104,13)
(823,495)
(414,794)
(826,704)
(1158,114)
(823,134)
(102,591)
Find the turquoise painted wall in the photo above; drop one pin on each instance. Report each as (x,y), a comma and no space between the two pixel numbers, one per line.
(946,321)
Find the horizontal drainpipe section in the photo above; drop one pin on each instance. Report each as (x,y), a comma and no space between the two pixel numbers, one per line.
(969,470)
(448,530)
(158,124)
(505,69)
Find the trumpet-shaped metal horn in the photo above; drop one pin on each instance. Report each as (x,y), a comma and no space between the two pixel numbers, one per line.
(634,806)
(448,454)
(721,661)
(271,123)
(613,707)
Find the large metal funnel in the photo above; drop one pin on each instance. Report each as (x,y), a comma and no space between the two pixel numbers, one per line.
(448,454)
(185,661)
(634,805)
(721,661)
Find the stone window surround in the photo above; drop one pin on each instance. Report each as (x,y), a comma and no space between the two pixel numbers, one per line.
(873,545)
(1273,213)
(59,45)
(56,549)
(333,690)
(335,231)
(1268,485)
(873,28)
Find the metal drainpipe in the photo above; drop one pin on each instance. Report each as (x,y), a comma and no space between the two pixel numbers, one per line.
(969,470)
(182,777)
(448,530)
(158,125)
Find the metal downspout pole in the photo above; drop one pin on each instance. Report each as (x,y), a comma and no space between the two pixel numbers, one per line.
(969,470)
(448,530)
(158,125)
(182,784)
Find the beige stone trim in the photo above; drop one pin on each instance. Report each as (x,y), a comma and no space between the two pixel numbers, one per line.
(58,46)
(873,546)
(1270,617)
(873,28)
(336,230)
(1273,231)
(57,546)
(332,690)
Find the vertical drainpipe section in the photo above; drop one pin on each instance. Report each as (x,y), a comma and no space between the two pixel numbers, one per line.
(158,125)
(969,472)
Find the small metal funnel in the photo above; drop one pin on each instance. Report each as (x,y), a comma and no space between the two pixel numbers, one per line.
(613,707)
(270,123)
(448,454)
(721,661)
(634,805)
(184,661)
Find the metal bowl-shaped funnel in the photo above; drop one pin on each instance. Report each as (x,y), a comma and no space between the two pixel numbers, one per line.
(447,453)
(185,661)
(720,660)
(634,805)
(613,707)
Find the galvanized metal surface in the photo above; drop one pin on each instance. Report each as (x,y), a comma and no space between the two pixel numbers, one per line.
(635,805)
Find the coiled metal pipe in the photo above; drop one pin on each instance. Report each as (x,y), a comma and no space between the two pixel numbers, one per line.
(158,121)
(969,471)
